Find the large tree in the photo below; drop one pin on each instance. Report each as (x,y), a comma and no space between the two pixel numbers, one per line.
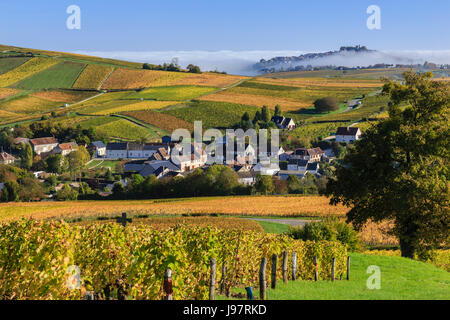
(399,169)
(326,104)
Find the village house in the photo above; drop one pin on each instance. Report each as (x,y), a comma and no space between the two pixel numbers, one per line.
(283,122)
(99,149)
(247,178)
(266,169)
(117,150)
(6,158)
(348,134)
(312,155)
(43,145)
(65,148)
(20,140)
(188,161)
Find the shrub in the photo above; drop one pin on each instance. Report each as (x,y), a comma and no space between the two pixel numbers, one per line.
(326,104)
(329,229)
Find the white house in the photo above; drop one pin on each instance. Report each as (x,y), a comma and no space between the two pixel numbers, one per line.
(267,169)
(348,134)
(99,149)
(41,145)
(65,148)
(283,123)
(6,158)
(312,155)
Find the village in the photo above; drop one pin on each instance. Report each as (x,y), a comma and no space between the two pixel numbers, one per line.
(156,159)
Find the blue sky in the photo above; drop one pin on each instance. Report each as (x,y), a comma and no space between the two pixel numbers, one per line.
(163,25)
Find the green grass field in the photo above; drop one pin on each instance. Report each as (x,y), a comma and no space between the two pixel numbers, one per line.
(61,75)
(7,64)
(178,93)
(401,279)
(273,227)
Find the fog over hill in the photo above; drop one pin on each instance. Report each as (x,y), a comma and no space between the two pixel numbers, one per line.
(249,62)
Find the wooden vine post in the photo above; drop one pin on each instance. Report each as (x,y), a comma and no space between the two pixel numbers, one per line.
(316,269)
(294,266)
(274,271)
(212,279)
(262,279)
(168,285)
(333,269)
(222,281)
(285,266)
(348,268)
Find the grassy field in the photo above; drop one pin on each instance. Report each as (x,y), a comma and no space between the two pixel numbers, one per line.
(29,105)
(62,75)
(125,130)
(179,93)
(8,64)
(93,77)
(25,70)
(213,114)
(273,227)
(289,206)
(401,279)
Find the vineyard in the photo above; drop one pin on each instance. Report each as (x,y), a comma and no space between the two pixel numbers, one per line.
(61,75)
(283,206)
(36,260)
(179,93)
(134,79)
(25,70)
(161,120)
(93,77)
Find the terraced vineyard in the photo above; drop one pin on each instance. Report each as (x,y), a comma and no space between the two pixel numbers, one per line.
(26,70)
(93,77)
(179,93)
(61,75)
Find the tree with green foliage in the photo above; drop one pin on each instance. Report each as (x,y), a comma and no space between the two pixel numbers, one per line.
(399,169)
(193,69)
(264,185)
(257,117)
(277,110)
(326,104)
(57,163)
(77,159)
(265,114)
(10,192)
(66,194)
(27,156)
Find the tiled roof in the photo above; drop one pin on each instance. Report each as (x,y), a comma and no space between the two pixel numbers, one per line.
(43,141)
(347,131)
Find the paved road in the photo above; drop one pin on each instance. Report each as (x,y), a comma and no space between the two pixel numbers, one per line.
(290,222)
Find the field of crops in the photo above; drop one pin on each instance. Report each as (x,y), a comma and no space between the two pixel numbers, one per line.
(126,130)
(125,106)
(256,100)
(60,76)
(63,96)
(134,259)
(93,77)
(289,206)
(7,92)
(212,114)
(210,79)
(161,120)
(135,79)
(7,64)
(164,223)
(25,70)
(179,93)
(29,105)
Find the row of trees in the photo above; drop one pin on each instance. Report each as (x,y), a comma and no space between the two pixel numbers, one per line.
(173,66)
(262,119)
